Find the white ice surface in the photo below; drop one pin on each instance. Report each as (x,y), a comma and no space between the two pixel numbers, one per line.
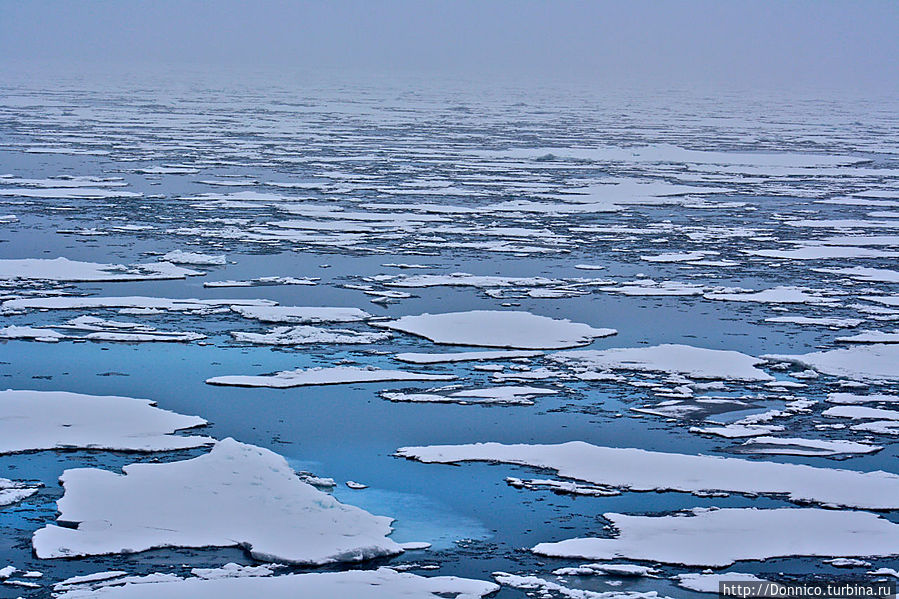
(182,257)
(878,362)
(427,358)
(696,362)
(63,269)
(490,328)
(642,470)
(301,335)
(383,583)
(37,420)
(301,314)
(324,376)
(706,537)
(236,495)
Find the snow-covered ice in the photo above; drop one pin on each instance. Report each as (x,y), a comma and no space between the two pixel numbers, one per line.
(325,376)
(706,537)
(235,496)
(492,328)
(642,470)
(39,420)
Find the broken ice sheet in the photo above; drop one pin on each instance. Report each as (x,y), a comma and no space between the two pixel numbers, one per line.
(13,491)
(507,395)
(236,495)
(41,420)
(492,328)
(65,270)
(705,536)
(325,376)
(382,583)
(641,470)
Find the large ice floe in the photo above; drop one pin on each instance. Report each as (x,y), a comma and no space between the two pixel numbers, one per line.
(38,420)
(695,362)
(875,362)
(63,269)
(383,583)
(324,376)
(235,496)
(642,470)
(720,537)
(497,328)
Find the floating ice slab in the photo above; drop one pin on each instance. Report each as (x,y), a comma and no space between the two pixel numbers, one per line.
(879,362)
(540,587)
(836,323)
(181,257)
(301,314)
(490,328)
(641,470)
(775,295)
(881,275)
(37,420)
(809,447)
(705,537)
(871,337)
(236,495)
(696,362)
(325,376)
(132,303)
(493,395)
(63,269)
(303,335)
(12,491)
(383,583)
(424,358)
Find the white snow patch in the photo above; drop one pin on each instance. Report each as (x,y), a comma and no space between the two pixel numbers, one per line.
(325,376)
(236,495)
(490,328)
(38,420)
(641,470)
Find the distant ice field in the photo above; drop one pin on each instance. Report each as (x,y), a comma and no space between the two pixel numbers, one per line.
(677,282)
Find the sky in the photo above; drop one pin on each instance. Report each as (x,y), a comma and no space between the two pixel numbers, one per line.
(850,45)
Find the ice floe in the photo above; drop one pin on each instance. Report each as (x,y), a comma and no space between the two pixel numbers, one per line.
(426,358)
(696,362)
(705,537)
(494,395)
(300,314)
(325,376)
(182,257)
(383,583)
(65,270)
(302,335)
(491,328)
(235,496)
(641,470)
(13,491)
(877,362)
(38,420)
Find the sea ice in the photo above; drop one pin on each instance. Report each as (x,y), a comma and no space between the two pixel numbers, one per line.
(383,583)
(325,376)
(38,420)
(236,495)
(490,328)
(705,536)
(641,470)
(696,362)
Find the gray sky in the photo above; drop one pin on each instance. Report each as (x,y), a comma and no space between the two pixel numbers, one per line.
(852,45)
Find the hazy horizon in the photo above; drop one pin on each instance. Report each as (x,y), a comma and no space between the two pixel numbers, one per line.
(852,47)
